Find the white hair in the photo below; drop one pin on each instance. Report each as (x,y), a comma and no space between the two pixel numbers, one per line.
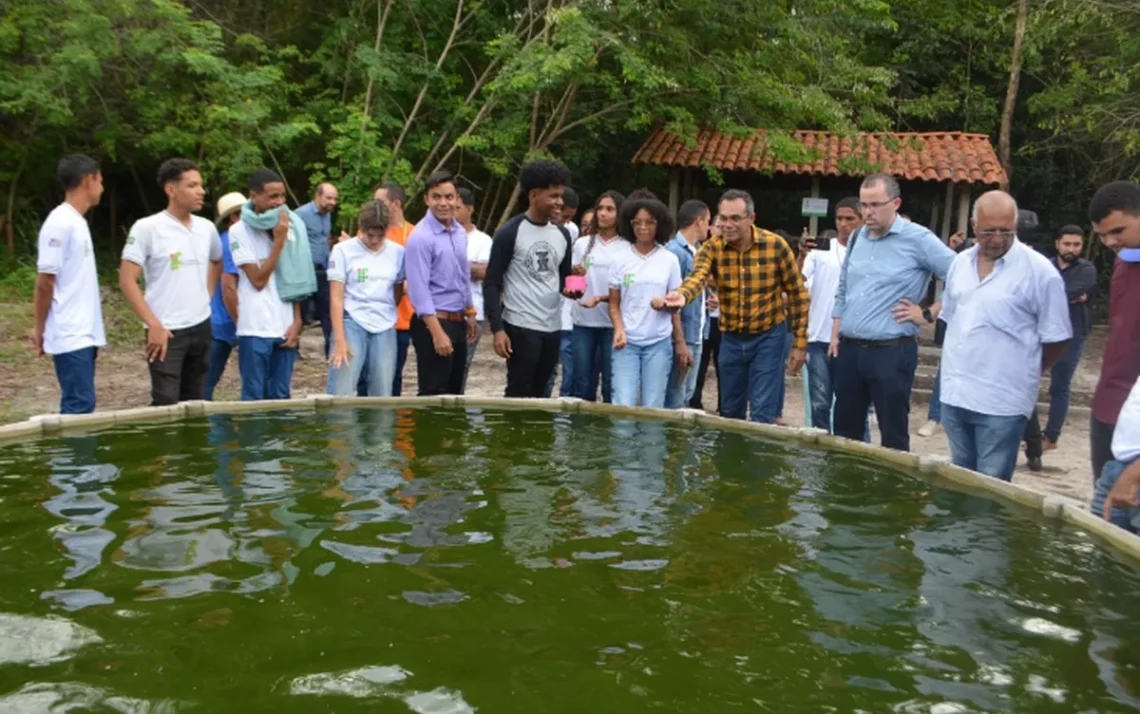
(974,212)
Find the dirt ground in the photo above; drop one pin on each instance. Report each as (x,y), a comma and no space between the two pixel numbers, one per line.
(28,386)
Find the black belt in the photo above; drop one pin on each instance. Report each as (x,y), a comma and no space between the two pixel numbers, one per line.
(878,343)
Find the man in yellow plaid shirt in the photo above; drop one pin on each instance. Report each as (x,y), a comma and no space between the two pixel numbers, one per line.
(753,268)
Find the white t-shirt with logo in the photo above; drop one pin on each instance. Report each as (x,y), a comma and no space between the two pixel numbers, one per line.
(261,313)
(640,279)
(75,319)
(478,251)
(369,281)
(597,264)
(175,259)
(821,275)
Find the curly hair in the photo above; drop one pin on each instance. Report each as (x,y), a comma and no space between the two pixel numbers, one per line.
(543,174)
(373,216)
(654,208)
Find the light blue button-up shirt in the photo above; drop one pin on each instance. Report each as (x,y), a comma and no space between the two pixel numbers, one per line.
(318,225)
(879,272)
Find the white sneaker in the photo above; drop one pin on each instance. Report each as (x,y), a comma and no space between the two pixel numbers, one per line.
(928,429)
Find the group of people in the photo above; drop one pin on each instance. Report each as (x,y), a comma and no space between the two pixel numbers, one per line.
(634,306)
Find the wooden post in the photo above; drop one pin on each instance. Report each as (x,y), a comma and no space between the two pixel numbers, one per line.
(964,207)
(686,183)
(813,222)
(934,217)
(949,210)
(674,189)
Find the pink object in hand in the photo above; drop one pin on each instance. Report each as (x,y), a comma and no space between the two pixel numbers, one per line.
(576,283)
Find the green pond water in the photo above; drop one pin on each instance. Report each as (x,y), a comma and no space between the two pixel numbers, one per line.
(444,561)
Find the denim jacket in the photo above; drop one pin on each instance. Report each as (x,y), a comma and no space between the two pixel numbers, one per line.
(691,314)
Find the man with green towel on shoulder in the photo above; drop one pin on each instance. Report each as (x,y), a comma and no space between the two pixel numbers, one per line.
(268,327)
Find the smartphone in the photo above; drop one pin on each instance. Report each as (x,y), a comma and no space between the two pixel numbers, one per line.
(823,244)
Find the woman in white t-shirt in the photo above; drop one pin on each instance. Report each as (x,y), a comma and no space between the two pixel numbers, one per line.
(593,329)
(366,277)
(645,333)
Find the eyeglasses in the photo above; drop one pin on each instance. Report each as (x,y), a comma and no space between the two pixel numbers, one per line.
(645,224)
(996,233)
(874,204)
(733,219)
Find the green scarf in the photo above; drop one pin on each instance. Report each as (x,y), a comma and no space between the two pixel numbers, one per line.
(296,277)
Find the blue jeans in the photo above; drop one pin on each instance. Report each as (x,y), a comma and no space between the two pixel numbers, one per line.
(642,371)
(784,379)
(982,442)
(820,385)
(403,339)
(593,355)
(76,374)
(219,354)
(680,391)
(1126,518)
(566,359)
(879,375)
(1060,380)
(266,368)
(935,413)
(370,353)
(751,374)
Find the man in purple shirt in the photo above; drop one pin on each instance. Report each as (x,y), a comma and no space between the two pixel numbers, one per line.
(440,290)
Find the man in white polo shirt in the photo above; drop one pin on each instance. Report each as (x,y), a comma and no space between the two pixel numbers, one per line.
(268,328)
(68,312)
(1007,320)
(180,256)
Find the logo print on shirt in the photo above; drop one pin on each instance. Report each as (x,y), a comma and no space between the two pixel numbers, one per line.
(235,245)
(362,275)
(130,240)
(627,280)
(540,261)
(176,260)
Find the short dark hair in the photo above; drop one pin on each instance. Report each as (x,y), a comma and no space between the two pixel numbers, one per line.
(260,178)
(1123,196)
(438,179)
(394,191)
(851,202)
(640,194)
(1071,229)
(543,174)
(373,215)
(570,198)
(690,212)
(735,194)
(73,168)
(171,170)
(890,184)
(467,197)
(656,209)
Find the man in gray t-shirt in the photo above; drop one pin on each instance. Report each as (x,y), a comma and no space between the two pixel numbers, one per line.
(523,289)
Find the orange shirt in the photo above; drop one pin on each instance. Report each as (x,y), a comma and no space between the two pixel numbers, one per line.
(404,310)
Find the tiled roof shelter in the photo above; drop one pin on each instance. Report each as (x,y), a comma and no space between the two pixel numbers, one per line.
(938,157)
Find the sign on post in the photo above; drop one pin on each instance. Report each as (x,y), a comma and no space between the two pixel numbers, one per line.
(814,207)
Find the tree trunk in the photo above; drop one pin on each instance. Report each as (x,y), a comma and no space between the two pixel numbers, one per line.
(511,203)
(10,212)
(1004,148)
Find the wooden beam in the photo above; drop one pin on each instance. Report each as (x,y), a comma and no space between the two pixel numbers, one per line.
(964,208)
(674,189)
(686,184)
(813,222)
(948,211)
(934,217)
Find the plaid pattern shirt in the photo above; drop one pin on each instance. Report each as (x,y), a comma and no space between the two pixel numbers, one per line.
(751,285)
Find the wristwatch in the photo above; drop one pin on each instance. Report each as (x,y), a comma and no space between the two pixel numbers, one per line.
(927,316)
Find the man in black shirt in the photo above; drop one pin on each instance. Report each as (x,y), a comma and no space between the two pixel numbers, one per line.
(1080,286)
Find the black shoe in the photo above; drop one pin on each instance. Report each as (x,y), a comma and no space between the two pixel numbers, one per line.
(1035,464)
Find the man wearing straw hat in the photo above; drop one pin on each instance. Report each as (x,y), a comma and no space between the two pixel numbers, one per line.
(224,303)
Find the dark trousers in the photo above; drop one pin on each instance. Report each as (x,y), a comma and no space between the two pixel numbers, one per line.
(1060,383)
(875,374)
(321,304)
(1034,447)
(182,375)
(438,374)
(534,355)
(76,374)
(219,354)
(709,353)
(1100,445)
(403,339)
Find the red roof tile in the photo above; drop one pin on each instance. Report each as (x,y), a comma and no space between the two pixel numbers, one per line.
(935,156)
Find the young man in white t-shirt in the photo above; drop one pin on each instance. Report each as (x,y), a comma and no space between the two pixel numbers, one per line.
(478,255)
(68,312)
(366,282)
(268,328)
(180,256)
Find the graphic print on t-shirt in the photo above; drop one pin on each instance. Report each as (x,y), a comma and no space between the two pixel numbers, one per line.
(176,260)
(362,275)
(539,261)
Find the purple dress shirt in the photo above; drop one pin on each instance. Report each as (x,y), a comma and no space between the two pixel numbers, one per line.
(435,259)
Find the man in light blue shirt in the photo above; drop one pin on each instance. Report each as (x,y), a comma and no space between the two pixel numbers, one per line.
(317,217)
(693,227)
(1007,317)
(889,264)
